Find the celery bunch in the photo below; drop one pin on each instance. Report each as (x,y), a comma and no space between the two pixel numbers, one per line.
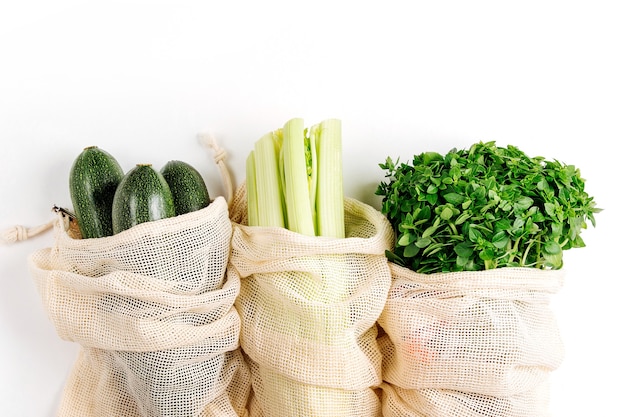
(294,178)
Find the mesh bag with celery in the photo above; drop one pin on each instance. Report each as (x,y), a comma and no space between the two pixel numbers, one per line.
(314,278)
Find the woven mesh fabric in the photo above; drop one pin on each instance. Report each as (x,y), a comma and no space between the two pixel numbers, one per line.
(153,310)
(449,403)
(309,307)
(470,343)
(282,396)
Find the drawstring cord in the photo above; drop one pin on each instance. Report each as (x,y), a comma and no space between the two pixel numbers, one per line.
(20,233)
(219,156)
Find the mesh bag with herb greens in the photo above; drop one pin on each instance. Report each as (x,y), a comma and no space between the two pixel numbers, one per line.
(153,310)
(480,235)
(309,307)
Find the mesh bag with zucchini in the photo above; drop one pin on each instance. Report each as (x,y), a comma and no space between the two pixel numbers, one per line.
(137,276)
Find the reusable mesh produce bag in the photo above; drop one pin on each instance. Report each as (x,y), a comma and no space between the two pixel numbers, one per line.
(309,307)
(470,343)
(153,310)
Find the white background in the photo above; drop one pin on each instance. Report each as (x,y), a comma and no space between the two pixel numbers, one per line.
(141,79)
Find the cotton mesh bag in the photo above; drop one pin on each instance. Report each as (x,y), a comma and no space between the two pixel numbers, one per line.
(153,310)
(470,343)
(309,307)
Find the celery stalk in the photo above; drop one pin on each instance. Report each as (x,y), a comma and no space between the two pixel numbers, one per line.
(298,179)
(311,166)
(251,194)
(330,195)
(296,193)
(268,184)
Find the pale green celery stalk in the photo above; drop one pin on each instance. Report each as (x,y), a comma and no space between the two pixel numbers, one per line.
(311,172)
(330,193)
(251,193)
(296,193)
(268,184)
(281,168)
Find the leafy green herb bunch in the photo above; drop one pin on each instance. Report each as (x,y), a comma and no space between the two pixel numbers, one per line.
(482,208)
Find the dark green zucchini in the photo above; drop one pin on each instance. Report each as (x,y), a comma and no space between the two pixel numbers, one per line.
(189,190)
(142,196)
(94,177)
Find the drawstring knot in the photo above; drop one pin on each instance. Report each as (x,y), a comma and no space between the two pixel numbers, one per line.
(20,233)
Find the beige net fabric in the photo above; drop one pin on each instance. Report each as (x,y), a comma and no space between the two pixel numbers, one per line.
(153,310)
(309,307)
(469,343)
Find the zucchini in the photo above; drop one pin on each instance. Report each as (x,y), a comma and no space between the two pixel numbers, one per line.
(94,177)
(189,190)
(142,196)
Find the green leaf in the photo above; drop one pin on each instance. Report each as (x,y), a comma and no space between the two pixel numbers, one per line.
(423,242)
(410,251)
(463,250)
(474,234)
(553,261)
(454,198)
(429,231)
(432,198)
(430,250)
(523,203)
(394,258)
(503,224)
(406,206)
(430,157)
(500,239)
(486,254)
(406,239)
(552,248)
(446,213)
(423,213)
(543,185)
(462,218)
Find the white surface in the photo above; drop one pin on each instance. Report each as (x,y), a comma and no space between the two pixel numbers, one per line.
(141,79)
